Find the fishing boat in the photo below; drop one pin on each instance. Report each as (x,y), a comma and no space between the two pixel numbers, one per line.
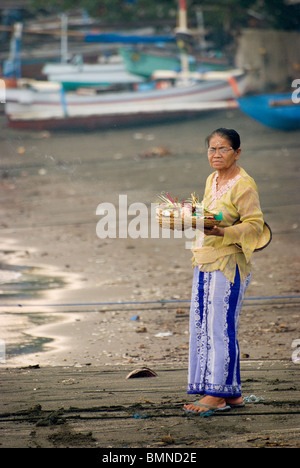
(75,73)
(146,62)
(51,108)
(272,110)
(166,97)
(70,72)
(79,74)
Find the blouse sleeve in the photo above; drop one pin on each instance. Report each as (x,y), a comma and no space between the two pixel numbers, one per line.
(247,232)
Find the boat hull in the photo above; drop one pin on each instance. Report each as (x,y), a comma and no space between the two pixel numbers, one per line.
(286,117)
(57,110)
(116,120)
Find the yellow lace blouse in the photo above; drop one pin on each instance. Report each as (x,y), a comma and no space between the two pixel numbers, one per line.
(238,200)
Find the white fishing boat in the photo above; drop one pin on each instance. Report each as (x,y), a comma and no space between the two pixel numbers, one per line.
(165,97)
(75,75)
(50,107)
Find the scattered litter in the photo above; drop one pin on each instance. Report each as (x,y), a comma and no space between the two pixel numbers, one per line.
(138,136)
(167,439)
(140,416)
(44,134)
(296,352)
(32,366)
(149,402)
(42,171)
(142,136)
(21,150)
(135,317)
(142,372)
(141,330)
(253,399)
(155,152)
(68,382)
(163,334)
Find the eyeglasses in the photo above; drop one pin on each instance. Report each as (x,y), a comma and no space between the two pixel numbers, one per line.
(221,150)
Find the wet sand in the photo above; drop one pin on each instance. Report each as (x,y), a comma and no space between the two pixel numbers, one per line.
(94,407)
(51,185)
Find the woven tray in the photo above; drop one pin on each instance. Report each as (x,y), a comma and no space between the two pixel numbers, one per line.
(180,224)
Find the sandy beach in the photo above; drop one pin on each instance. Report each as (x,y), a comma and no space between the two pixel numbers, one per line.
(71,299)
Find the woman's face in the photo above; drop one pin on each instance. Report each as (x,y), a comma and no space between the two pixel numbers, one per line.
(221,155)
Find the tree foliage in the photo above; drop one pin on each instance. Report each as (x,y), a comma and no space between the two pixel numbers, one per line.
(233,13)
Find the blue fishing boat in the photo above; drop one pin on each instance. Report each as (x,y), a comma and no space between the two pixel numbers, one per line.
(273,110)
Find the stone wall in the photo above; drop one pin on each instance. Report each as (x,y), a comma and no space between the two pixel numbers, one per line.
(272,56)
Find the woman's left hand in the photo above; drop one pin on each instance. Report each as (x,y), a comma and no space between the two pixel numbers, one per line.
(214,231)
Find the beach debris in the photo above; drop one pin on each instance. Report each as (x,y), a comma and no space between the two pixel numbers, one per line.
(141,372)
(141,330)
(68,382)
(149,402)
(31,366)
(163,334)
(135,317)
(167,439)
(155,152)
(140,416)
(296,352)
(21,150)
(53,419)
(142,136)
(43,134)
(42,171)
(253,399)
(138,136)
(180,311)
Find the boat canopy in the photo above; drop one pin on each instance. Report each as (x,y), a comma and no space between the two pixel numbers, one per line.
(127,39)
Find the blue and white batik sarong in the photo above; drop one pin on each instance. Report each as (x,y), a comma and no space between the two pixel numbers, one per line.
(214,367)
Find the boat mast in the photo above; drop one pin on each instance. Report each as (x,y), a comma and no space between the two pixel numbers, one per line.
(201,29)
(64,38)
(182,15)
(183,37)
(12,66)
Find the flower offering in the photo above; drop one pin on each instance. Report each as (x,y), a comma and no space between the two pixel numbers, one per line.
(174,214)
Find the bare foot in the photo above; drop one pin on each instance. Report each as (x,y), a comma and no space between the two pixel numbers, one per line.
(209,402)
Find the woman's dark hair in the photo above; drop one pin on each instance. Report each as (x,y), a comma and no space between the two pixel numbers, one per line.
(228,133)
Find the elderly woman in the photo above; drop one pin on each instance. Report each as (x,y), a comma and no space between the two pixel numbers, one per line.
(221,276)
